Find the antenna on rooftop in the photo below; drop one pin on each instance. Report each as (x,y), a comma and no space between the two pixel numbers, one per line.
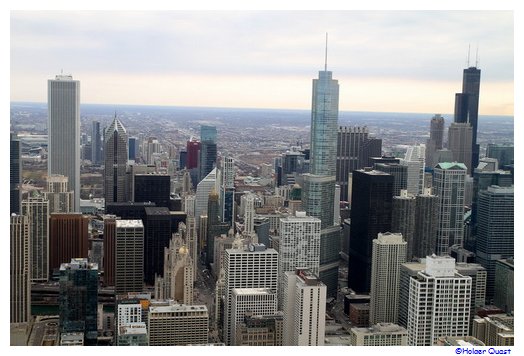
(325,61)
(469,48)
(477,57)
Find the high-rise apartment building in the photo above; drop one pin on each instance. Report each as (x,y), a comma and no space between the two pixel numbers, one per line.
(19,271)
(109,250)
(129,256)
(37,210)
(63,130)
(449,185)
(68,238)
(439,302)
(459,143)
(15,170)
(389,252)
(115,163)
(426,222)
(403,220)
(371,209)
(299,245)
(252,267)
(304,306)
(61,199)
(495,234)
(258,301)
(78,298)
(414,159)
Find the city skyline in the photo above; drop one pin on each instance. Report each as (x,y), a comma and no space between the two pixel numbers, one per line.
(265,59)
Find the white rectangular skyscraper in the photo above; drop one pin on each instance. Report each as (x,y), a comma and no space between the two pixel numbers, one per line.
(63,128)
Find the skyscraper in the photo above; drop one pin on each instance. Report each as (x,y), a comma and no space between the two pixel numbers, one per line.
(250,267)
(440,300)
(129,256)
(37,210)
(350,145)
(399,173)
(68,238)
(63,129)
(299,245)
(227,189)
(471,86)
(426,219)
(403,219)
(495,234)
(96,143)
(449,185)
(208,150)
(319,185)
(304,308)
(389,252)
(78,298)
(459,143)
(115,150)
(155,188)
(19,271)
(15,178)
(415,160)
(371,209)
(157,234)
(435,141)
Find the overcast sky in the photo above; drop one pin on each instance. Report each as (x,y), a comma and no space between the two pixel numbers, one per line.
(410,61)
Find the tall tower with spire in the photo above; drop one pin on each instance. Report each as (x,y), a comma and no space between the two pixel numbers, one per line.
(115,148)
(319,185)
(467,107)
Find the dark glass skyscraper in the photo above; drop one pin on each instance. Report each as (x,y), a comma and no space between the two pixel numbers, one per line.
(371,209)
(115,150)
(157,233)
(495,234)
(208,150)
(155,188)
(78,298)
(471,86)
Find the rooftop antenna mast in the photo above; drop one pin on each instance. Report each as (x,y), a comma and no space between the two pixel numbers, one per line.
(469,48)
(325,60)
(477,57)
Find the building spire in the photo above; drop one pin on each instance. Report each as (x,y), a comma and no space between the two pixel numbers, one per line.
(469,48)
(325,60)
(477,57)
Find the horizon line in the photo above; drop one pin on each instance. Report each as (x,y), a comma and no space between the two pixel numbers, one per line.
(259,108)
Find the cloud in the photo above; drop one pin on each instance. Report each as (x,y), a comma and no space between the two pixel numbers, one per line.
(404,45)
